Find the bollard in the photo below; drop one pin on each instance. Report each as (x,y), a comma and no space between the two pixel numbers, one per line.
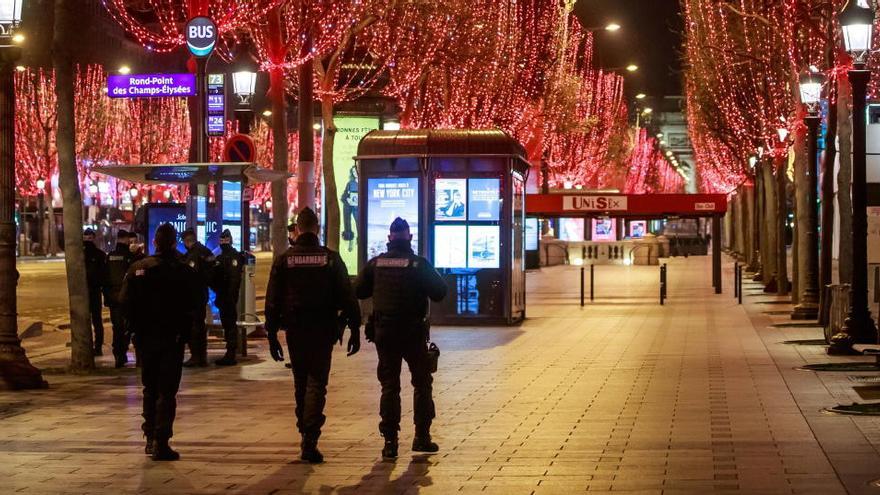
(735,280)
(582,286)
(739,283)
(663,284)
(592,280)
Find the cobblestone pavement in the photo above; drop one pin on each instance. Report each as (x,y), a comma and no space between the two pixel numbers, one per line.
(623,395)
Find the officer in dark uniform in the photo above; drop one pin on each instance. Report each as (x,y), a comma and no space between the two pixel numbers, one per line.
(226,281)
(137,249)
(291,234)
(96,263)
(308,287)
(200,259)
(160,295)
(118,262)
(400,283)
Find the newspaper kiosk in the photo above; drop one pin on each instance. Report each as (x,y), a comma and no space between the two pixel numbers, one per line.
(463,194)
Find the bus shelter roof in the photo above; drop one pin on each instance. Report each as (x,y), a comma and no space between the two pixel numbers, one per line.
(189,173)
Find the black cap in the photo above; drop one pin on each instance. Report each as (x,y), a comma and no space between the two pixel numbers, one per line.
(188,232)
(399,225)
(307,214)
(132,235)
(122,234)
(88,232)
(291,227)
(226,234)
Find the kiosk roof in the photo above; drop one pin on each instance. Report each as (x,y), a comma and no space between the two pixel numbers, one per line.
(439,142)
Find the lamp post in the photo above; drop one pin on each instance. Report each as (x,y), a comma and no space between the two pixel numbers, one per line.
(811,94)
(244,84)
(16,372)
(857,23)
(41,198)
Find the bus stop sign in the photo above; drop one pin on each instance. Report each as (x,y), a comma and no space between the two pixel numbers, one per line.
(240,148)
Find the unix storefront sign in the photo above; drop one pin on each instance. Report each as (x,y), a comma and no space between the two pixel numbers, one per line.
(594,203)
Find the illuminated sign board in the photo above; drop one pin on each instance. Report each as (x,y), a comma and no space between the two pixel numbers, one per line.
(151,85)
(201,36)
(216,96)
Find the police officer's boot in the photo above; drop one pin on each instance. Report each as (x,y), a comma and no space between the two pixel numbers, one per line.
(228,359)
(163,452)
(389,451)
(310,452)
(422,441)
(148,449)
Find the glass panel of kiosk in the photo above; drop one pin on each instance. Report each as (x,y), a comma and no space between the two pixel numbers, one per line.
(387,199)
(467,247)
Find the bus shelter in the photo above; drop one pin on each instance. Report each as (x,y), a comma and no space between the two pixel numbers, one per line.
(463,194)
(574,204)
(219,199)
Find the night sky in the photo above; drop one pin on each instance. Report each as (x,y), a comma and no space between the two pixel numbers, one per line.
(650,38)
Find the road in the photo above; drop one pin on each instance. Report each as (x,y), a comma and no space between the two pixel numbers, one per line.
(42,289)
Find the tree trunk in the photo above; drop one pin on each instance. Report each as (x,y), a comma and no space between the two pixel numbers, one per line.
(795,245)
(782,284)
(50,221)
(751,227)
(844,179)
(331,195)
(827,219)
(769,249)
(279,163)
(66,27)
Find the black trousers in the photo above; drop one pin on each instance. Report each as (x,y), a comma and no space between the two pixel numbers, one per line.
(121,334)
(161,370)
(229,320)
(198,342)
(392,352)
(95,310)
(310,359)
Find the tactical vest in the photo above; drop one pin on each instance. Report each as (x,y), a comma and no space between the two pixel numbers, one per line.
(308,286)
(397,291)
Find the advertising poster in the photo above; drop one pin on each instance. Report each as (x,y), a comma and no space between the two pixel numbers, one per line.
(638,229)
(571,229)
(532,233)
(388,199)
(604,229)
(450,246)
(350,131)
(484,200)
(157,215)
(449,200)
(484,246)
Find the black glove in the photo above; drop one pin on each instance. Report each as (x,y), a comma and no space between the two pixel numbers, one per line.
(370,330)
(275,347)
(354,342)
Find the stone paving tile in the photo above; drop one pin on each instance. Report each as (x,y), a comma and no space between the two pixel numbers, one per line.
(622,396)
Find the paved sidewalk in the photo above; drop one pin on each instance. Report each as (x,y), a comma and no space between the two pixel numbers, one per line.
(698,396)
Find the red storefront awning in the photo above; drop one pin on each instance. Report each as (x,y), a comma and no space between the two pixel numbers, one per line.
(640,206)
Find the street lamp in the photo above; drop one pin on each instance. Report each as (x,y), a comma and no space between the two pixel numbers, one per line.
(856,22)
(16,372)
(632,68)
(244,85)
(811,95)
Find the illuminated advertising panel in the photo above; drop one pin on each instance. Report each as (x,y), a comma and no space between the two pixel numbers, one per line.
(449,200)
(571,229)
(388,199)
(450,246)
(349,132)
(484,200)
(604,229)
(161,214)
(532,233)
(484,246)
(638,229)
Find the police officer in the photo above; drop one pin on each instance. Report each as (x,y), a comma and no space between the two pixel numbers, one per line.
(291,234)
(226,281)
(160,296)
(308,287)
(400,283)
(96,261)
(118,262)
(200,259)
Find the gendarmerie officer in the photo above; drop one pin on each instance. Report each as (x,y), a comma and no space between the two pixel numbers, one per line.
(308,287)
(160,296)
(200,259)
(226,282)
(118,262)
(400,283)
(96,263)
